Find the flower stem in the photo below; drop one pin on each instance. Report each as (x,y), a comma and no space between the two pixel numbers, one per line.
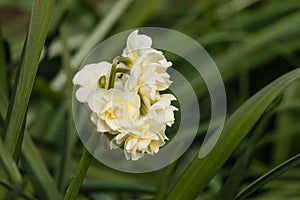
(113,70)
(86,157)
(79,175)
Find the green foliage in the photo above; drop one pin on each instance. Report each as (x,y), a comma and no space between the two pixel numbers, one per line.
(256,47)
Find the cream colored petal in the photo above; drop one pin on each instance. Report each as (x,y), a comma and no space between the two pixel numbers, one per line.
(137,156)
(96,100)
(130,143)
(137,41)
(102,126)
(89,75)
(82,94)
(143,144)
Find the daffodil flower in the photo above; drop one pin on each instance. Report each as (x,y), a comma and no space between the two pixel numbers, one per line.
(145,136)
(114,109)
(148,76)
(162,111)
(130,106)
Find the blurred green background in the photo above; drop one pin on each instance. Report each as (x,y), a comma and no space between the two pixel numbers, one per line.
(252,42)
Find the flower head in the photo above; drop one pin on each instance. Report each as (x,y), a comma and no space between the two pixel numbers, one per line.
(124,97)
(143,137)
(115,110)
(148,76)
(162,111)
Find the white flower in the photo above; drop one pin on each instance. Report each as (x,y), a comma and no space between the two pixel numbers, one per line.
(87,78)
(137,45)
(148,76)
(145,136)
(115,110)
(162,111)
(133,109)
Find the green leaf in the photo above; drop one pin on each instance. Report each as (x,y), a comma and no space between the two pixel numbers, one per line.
(37,171)
(272,174)
(230,188)
(68,144)
(4,104)
(100,31)
(39,23)
(9,165)
(3,77)
(33,163)
(24,195)
(200,171)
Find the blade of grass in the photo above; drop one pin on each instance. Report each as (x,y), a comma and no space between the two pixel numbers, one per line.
(96,186)
(230,61)
(96,36)
(8,185)
(37,171)
(139,13)
(3,105)
(3,67)
(230,188)
(267,177)
(283,148)
(100,31)
(200,171)
(163,185)
(68,146)
(9,165)
(38,28)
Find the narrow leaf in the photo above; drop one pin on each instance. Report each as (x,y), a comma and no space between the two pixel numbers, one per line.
(39,23)
(9,165)
(272,174)
(37,171)
(200,171)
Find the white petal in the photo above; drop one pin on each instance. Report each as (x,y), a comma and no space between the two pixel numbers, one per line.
(94,118)
(171,97)
(136,156)
(137,41)
(89,75)
(96,100)
(102,126)
(82,94)
(130,143)
(152,57)
(143,144)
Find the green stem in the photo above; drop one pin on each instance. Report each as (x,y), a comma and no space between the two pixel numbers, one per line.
(85,160)
(86,157)
(114,70)
(112,76)
(79,175)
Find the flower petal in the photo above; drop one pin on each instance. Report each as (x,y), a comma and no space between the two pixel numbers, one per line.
(89,75)
(137,41)
(83,93)
(96,100)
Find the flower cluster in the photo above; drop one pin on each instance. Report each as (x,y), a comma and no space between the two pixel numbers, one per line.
(125,99)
